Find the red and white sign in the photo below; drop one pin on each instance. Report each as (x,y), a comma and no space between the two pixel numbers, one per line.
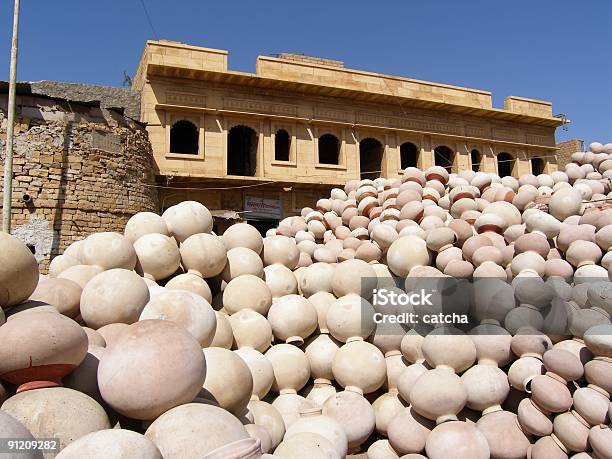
(264,208)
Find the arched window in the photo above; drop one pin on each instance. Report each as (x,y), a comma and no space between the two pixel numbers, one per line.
(505,165)
(370,158)
(444,157)
(282,144)
(409,155)
(537,166)
(184,138)
(241,151)
(329,149)
(476,158)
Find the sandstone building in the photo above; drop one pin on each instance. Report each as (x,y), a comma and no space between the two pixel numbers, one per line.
(269,143)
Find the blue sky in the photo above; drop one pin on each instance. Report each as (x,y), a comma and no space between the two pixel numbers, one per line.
(558,50)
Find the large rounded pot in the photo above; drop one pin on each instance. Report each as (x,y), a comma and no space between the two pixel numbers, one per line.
(186,219)
(457,439)
(247,291)
(111,444)
(158,256)
(108,250)
(18,271)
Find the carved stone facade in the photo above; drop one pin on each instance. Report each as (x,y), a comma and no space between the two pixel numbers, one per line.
(308,98)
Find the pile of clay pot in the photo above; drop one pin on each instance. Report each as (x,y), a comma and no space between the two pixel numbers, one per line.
(170,341)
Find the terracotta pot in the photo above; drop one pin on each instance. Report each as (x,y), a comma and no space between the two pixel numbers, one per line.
(350,316)
(524,369)
(223,332)
(280,249)
(354,276)
(313,421)
(107,250)
(280,280)
(40,348)
(532,419)
(457,439)
(144,223)
(113,443)
(57,412)
(319,391)
(406,253)
(194,430)
(228,380)
(354,413)
(84,378)
(248,448)
(63,294)
(247,291)
(409,377)
(436,344)
(186,219)
(291,368)
(548,448)
(306,445)
(572,430)
(321,350)
(158,256)
(171,370)
(600,439)
(80,274)
(425,399)
(487,387)
(293,318)
(592,404)
(381,449)
(598,372)
(565,202)
(242,235)
(268,417)
(359,364)
(599,340)
(408,431)
(241,260)
(251,329)
(94,338)
(61,263)
(504,435)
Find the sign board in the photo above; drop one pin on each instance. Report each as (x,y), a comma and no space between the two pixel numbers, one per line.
(262,208)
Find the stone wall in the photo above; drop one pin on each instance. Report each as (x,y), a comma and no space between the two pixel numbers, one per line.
(566,149)
(78,169)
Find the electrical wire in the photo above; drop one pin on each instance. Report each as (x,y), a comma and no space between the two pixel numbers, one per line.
(146,12)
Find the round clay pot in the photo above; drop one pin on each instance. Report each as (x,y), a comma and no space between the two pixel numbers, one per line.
(425,399)
(406,253)
(228,380)
(385,408)
(241,260)
(268,417)
(63,294)
(550,394)
(223,333)
(350,316)
(110,333)
(204,255)
(458,440)
(40,348)
(192,283)
(487,387)
(108,250)
(354,276)
(293,318)
(193,430)
(436,344)
(548,447)
(280,280)
(532,419)
(600,439)
(322,301)
(572,430)
(306,445)
(319,391)
(503,434)
(313,421)
(381,449)
(522,370)
(171,369)
(280,249)
(18,271)
(57,412)
(185,308)
(61,263)
(354,413)
(144,223)
(599,340)
(113,444)
(591,404)
(113,296)
(84,378)
(242,235)
(321,350)
(291,368)
(564,203)
(251,329)
(247,291)
(360,365)
(186,219)
(158,256)
(408,431)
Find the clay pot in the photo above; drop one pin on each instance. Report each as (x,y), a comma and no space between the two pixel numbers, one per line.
(592,404)
(223,333)
(436,344)
(18,271)
(319,391)
(112,443)
(185,308)
(548,448)
(457,439)
(381,449)
(487,387)
(599,340)
(242,235)
(350,316)
(241,260)
(12,428)
(565,202)
(192,283)
(313,421)
(353,412)
(293,318)
(63,294)
(425,399)
(144,223)
(268,417)
(40,348)
(532,419)
(580,253)
(291,368)
(322,301)
(110,333)
(158,256)
(321,350)
(61,263)
(107,250)
(57,412)
(600,439)
(114,296)
(186,219)
(205,255)
(228,380)
(408,431)
(193,430)
(280,249)
(360,366)
(572,431)
(306,445)
(530,343)
(247,291)
(503,434)
(251,329)
(522,370)
(280,280)
(406,253)
(171,369)
(354,276)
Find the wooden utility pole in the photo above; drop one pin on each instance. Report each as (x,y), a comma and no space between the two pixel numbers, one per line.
(8,160)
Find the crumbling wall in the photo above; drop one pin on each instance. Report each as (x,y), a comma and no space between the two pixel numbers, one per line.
(78,169)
